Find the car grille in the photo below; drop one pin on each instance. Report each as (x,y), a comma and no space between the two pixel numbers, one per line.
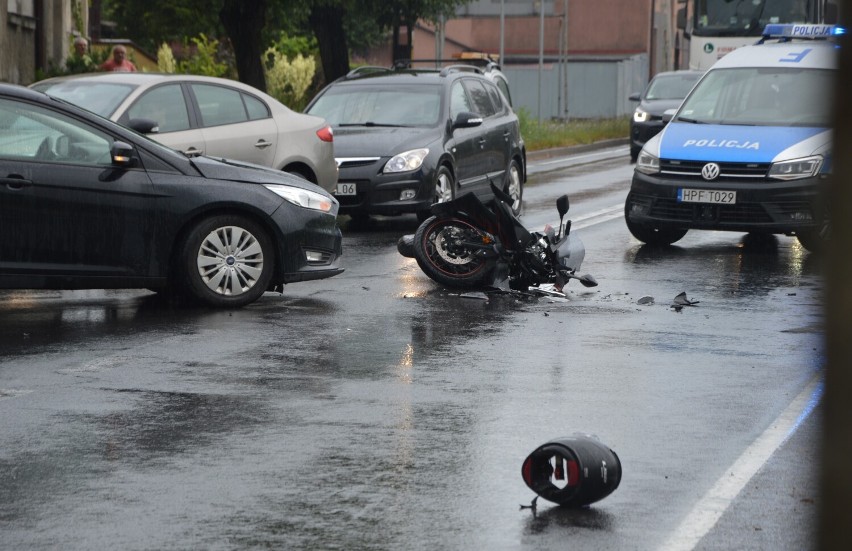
(670,209)
(352,162)
(751,213)
(728,171)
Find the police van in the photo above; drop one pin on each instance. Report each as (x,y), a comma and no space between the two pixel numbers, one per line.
(749,149)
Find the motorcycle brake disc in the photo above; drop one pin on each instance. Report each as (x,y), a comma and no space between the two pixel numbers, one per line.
(444,251)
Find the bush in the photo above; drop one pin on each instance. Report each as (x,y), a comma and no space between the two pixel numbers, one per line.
(205,59)
(166,59)
(288,81)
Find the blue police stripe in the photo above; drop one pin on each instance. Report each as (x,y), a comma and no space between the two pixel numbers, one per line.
(729,144)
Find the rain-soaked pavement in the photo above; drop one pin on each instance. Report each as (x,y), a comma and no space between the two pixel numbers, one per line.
(377,410)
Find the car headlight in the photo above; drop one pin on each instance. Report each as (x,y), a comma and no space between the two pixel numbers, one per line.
(647,163)
(406,161)
(797,168)
(302,197)
(640,115)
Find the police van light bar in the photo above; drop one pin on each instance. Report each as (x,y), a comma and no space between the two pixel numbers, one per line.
(802,31)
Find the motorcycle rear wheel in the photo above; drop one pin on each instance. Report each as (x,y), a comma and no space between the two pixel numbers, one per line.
(441,257)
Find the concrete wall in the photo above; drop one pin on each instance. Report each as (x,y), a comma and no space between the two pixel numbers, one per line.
(17,47)
(599,26)
(36,40)
(612,51)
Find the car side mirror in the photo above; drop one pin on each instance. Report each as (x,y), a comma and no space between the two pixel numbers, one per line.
(122,155)
(668,115)
(634,96)
(144,126)
(467,120)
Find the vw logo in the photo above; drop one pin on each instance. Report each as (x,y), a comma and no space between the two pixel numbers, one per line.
(710,171)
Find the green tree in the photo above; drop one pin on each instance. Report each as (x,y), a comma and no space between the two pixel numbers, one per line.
(149,23)
(251,25)
(243,21)
(395,14)
(328,20)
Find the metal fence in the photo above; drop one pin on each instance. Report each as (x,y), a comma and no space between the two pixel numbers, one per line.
(595,88)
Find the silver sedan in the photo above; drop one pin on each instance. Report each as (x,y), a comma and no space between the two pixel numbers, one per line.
(207,116)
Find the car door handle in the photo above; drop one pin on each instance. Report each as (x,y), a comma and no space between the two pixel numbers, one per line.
(15,181)
(262,144)
(193,152)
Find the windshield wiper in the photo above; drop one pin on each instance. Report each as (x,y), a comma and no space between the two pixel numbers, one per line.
(691,121)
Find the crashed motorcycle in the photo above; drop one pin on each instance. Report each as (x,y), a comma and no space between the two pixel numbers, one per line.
(468,244)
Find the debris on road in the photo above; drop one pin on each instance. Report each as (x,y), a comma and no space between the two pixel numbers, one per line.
(572,471)
(680,301)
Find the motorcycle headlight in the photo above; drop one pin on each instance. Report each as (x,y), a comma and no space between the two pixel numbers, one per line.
(647,163)
(302,197)
(797,168)
(640,115)
(406,161)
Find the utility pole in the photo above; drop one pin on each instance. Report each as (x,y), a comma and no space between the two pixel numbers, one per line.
(540,51)
(502,31)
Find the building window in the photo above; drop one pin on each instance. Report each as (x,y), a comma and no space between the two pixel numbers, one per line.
(25,8)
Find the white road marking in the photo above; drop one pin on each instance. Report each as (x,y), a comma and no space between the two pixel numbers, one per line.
(713,505)
(597,217)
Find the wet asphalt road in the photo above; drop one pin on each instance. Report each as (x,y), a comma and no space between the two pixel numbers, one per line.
(377,410)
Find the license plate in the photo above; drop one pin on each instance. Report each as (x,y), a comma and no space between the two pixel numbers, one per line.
(713,196)
(345,189)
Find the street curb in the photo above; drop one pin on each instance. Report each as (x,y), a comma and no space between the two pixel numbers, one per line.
(542,154)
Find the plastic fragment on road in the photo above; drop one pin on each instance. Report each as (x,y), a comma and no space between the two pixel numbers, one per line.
(680,301)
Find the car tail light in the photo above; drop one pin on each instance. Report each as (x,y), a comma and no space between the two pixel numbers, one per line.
(326,134)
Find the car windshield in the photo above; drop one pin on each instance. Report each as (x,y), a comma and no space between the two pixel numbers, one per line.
(761,97)
(747,17)
(670,86)
(102,98)
(380,105)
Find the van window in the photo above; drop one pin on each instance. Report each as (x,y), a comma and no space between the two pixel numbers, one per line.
(761,96)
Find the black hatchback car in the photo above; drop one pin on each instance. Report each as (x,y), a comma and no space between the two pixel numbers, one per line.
(405,139)
(665,92)
(86,203)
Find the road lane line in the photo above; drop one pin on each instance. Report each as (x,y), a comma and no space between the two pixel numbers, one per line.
(713,505)
(597,217)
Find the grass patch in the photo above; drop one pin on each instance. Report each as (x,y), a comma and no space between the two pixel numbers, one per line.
(547,134)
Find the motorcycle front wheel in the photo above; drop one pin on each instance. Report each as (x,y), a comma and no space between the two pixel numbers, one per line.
(442,253)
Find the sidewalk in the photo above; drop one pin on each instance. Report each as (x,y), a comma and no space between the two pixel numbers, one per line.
(542,154)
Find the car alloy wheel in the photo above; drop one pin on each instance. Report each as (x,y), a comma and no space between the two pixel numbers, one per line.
(444,186)
(228,261)
(514,187)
